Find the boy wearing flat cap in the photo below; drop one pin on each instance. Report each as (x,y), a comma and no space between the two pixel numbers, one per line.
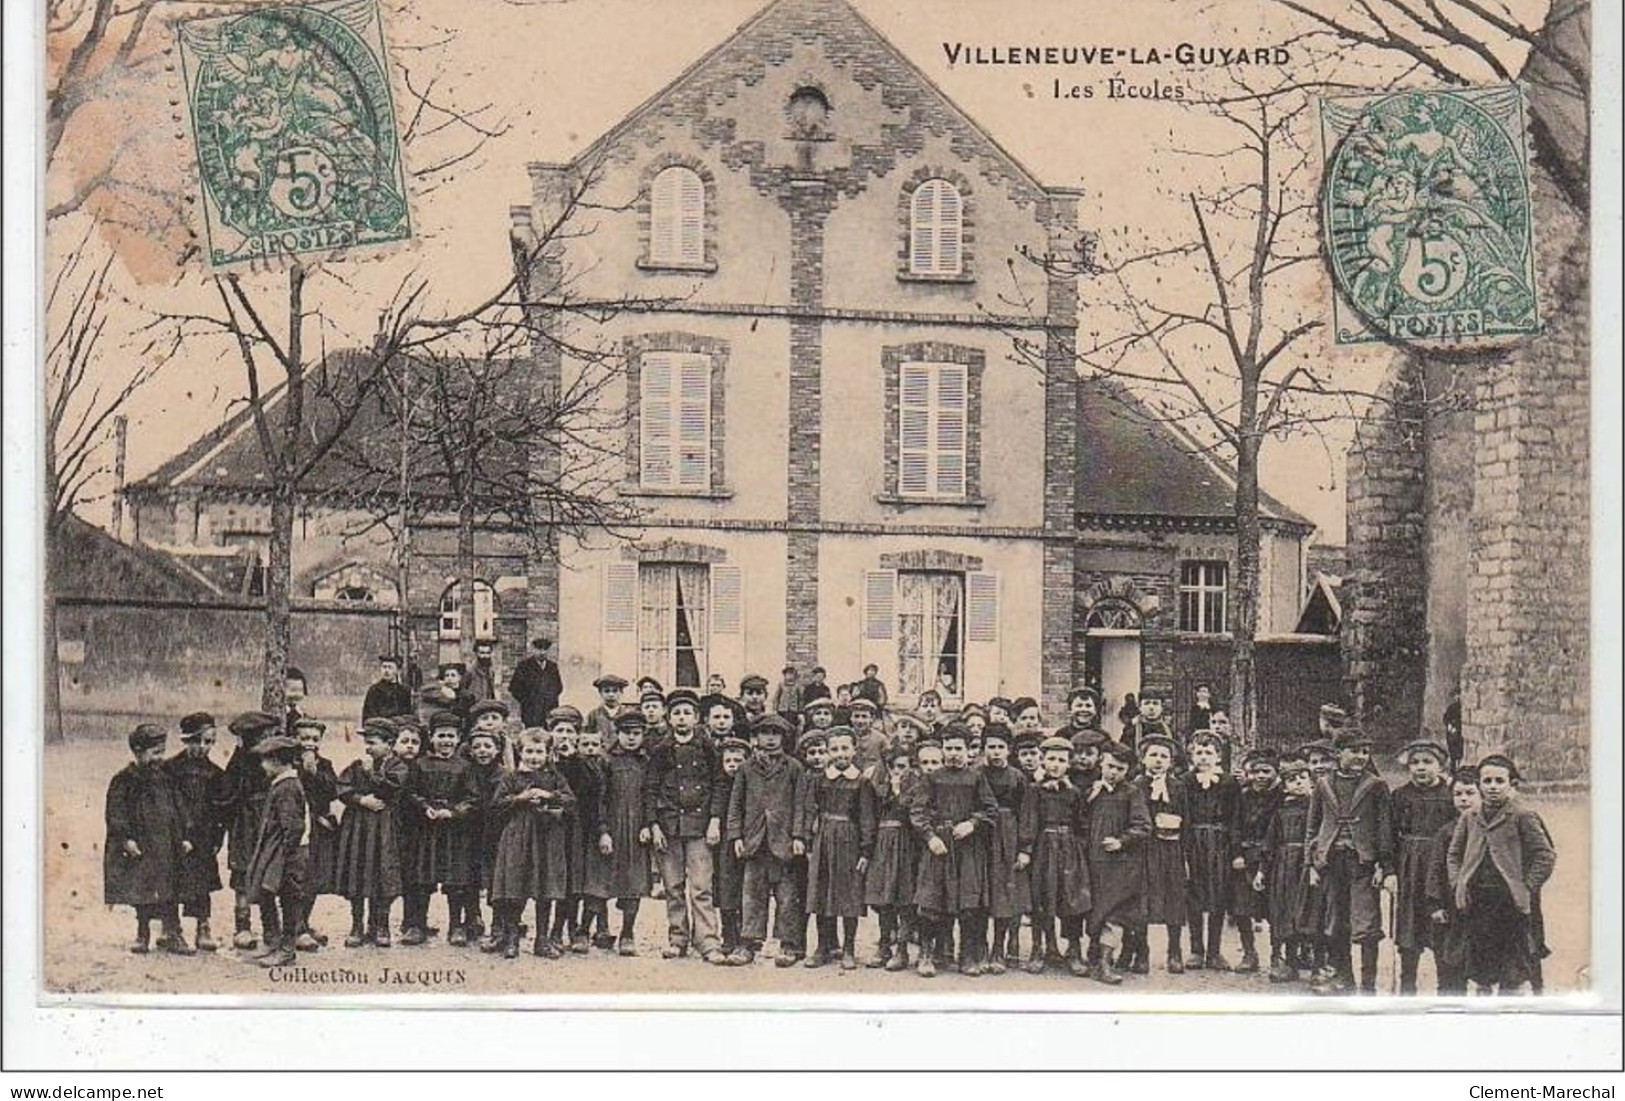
(610,687)
(728,886)
(148,837)
(1421,806)
(685,800)
(1255,809)
(1351,847)
(277,872)
(241,805)
(763,808)
(753,697)
(197,781)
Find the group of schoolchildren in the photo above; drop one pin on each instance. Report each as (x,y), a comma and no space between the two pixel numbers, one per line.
(981,841)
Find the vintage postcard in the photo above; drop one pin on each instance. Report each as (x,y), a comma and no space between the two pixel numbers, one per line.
(815,498)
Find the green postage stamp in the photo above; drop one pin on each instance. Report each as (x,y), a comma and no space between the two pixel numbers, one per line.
(1426,216)
(294,127)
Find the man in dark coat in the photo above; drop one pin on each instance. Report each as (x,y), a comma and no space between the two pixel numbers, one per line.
(536,684)
(388,697)
(147,839)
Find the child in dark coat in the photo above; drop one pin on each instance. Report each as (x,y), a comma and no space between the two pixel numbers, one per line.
(321,785)
(241,805)
(952,811)
(583,827)
(1255,808)
(1500,857)
(1119,829)
(1350,849)
(197,780)
(588,779)
(279,870)
(888,886)
(1165,852)
(728,871)
(1213,795)
(485,748)
(532,858)
(148,838)
(837,826)
(1421,807)
(1009,889)
(1052,851)
(1449,945)
(624,836)
(1281,875)
(442,796)
(369,858)
(763,808)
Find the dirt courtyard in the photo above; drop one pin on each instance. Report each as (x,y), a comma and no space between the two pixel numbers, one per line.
(85,942)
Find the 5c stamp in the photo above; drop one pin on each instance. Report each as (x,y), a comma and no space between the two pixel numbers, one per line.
(294,128)
(1427,216)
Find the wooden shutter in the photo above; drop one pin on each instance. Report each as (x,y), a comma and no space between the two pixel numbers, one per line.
(693,427)
(923,229)
(878,641)
(914,430)
(619,649)
(657,405)
(936,229)
(727,655)
(690,216)
(951,408)
(983,677)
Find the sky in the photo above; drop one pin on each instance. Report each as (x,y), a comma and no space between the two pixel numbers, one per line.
(560,72)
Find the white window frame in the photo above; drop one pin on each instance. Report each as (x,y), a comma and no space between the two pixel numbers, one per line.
(677,217)
(936,229)
(451,612)
(1197,582)
(674,421)
(923,427)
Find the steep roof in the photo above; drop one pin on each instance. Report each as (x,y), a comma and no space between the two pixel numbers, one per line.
(766,37)
(93,563)
(1134,463)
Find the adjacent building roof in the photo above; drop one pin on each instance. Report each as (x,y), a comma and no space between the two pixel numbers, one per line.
(1134,465)
(90,562)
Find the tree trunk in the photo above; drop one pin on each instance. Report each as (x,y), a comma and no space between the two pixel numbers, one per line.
(1244,603)
(278,600)
(54,733)
(465,571)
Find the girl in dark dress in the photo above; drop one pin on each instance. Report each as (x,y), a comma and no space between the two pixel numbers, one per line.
(197,781)
(837,825)
(888,886)
(1213,795)
(624,835)
(1119,829)
(1255,808)
(1009,891)
(147,840)
(369,858)
(588,779)
(1420,808)
(1165,875)
(1281,874)
(532,803)
(1051,850)
(441,795)
(321,785)
(952,810)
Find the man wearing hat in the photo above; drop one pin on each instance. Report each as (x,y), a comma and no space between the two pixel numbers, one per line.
(685,803)
(787,697)
(198,781)
(482,678)
(536,683)
(241,805)
(1350,849)
(387,697)
(147,838)
(276,873)
(609,709)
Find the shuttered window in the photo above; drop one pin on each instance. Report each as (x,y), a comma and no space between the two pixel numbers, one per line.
(936,229)
(677,217)
(674,424)
(933,412)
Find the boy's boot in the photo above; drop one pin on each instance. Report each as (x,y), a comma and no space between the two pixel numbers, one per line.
(282,956)
(271,928)
(888,938)
(971,932)
(1074,959)
(170,938)
(1001,937)
(510,933)
(626,945)
(1409,958)
(819,956)
(1340,963)
(412,931)
(1282,969)
(849,944)
(899,948)
(142,944)
(1141,952)
(242,914)
(1368,967)
(1176,963)
(380,923)
(603,939)
(306,939)
(928,951)
(1249,946)
(1198,956)
(498,936)
(1105,972)
(358,922)
(1215,937)
(1035,952)
(205,940)
(580,918)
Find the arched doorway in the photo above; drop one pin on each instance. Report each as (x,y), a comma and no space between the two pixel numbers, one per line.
(1111,653)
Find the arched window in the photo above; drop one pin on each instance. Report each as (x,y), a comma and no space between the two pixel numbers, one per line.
(451,612)
(1112,614)
(936,229)
(677,217)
